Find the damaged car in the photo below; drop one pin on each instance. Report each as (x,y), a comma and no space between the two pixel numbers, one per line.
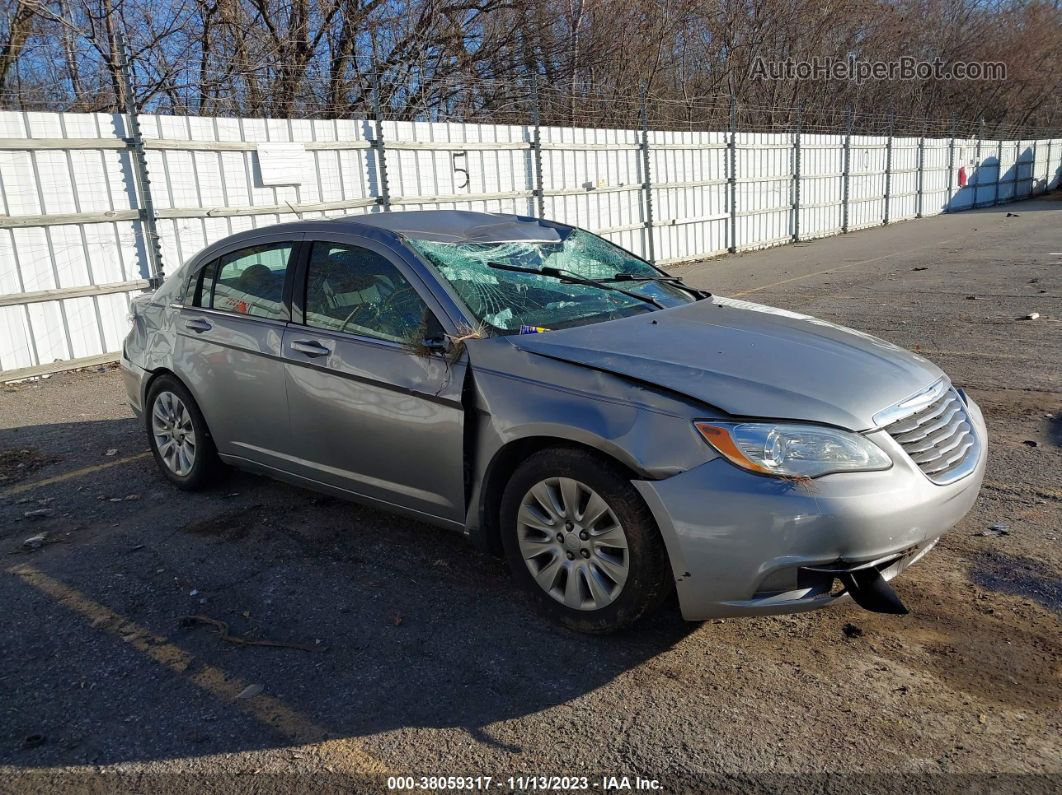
(616,434)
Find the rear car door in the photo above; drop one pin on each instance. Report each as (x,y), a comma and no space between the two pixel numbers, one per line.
(230,336)
(370,413)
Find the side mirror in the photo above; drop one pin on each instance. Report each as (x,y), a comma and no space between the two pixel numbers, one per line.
(438,344)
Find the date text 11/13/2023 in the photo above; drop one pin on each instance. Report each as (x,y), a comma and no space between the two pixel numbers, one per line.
(525,783)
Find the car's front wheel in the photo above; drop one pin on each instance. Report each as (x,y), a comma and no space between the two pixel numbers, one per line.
(179,437)
(580,539)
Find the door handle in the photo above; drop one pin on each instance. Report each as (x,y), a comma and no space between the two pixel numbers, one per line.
(198,325)
(310,347)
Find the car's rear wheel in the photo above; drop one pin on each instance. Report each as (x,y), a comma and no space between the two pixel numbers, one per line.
(179,437)
(580,539)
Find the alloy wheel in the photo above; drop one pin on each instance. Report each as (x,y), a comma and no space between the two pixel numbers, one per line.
(171,425)
(572,543)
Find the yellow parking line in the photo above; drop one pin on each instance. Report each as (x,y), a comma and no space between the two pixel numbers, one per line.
(344,755)
(77,473)
(845,267)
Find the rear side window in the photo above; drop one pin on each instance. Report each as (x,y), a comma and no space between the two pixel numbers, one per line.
(358,291)
(249,281)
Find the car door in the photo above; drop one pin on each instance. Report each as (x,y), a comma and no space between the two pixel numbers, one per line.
(371,413)
(228,352)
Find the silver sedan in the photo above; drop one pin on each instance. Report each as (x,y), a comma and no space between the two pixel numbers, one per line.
(616,434)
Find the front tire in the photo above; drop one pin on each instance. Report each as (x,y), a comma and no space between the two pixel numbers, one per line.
(581,541)
(178,435)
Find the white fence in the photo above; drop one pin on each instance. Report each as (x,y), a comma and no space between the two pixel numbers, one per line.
(75,239)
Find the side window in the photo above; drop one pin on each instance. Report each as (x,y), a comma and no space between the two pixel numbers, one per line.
(204,285)
(356,290)
(247,282)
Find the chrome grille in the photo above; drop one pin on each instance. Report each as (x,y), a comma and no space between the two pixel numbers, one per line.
(940,438)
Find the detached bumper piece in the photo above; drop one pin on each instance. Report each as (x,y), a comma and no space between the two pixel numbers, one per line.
(869,590)
(866,584)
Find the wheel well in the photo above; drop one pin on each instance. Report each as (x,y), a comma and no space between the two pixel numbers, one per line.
(501,468)
(155,374)
(158,373)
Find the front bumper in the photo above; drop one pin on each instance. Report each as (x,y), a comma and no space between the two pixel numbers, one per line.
(744,544)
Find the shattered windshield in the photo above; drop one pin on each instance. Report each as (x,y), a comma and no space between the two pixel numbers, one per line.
(514,302)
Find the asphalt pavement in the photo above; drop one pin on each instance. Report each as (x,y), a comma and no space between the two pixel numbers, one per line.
(133,615)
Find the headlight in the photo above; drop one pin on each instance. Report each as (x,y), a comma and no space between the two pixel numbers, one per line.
(791,450)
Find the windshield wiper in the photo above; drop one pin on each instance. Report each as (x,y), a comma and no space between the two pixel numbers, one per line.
(675,280)
(570,277)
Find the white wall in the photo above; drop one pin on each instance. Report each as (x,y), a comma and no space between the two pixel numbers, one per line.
(69,220)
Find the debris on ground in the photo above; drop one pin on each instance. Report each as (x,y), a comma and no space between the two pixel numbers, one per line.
(972,298)
(250,691)
(397,619)
(1012,215)
(995,530)
(35,542)
(1031,316)
(921,268)
(1031,443)
(223,632)
(852,631)
(111,451)
(17,464)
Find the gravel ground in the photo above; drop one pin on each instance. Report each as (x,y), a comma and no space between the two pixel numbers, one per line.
(411,654)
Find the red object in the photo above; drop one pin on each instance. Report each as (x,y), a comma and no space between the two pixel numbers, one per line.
(962,176)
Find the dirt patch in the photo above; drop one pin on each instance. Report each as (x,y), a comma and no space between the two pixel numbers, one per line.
(16,465)
(229,526)
(1019,576)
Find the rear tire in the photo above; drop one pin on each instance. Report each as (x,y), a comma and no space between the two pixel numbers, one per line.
(581,541)
(179,437)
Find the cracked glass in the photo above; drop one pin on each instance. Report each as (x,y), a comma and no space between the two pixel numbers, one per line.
(508,301)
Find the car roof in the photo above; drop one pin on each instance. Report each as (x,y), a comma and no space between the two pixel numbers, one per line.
(452,226)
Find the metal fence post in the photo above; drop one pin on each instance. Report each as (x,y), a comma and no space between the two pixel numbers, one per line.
(951,168)
(920,188)
(536,149)
(977,157)
(732,175)
(378,145)
(1017,170)
(1047,175)
(846,170)
(1050,176)
(999,167)
(888,168)
(1032,187)
(796,176)
(647,182)
(135,141)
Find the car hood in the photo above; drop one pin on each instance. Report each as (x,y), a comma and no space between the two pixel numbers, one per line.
(748,360)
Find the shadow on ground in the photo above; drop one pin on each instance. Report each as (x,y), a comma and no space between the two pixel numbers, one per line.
(407,626)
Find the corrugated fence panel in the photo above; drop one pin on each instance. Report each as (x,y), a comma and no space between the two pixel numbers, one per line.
(596,184)
(764,189)
(68,213)
(821,185)
(428,174)
(903,184)
(866,182)
(936,176)
(53,256)
(689,173)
